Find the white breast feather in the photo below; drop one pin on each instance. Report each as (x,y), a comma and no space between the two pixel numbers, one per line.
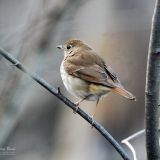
(74,85)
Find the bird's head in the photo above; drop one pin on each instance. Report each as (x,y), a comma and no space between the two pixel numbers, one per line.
(71,46)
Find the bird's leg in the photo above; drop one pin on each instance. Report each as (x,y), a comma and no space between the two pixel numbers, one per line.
(77,104)
(94,112)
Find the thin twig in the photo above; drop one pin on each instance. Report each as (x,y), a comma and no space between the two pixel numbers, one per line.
(70,104)
(152,88)
(131,148)
(133,136)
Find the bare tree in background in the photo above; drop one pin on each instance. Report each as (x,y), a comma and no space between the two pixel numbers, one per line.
(153,88)
(33,39)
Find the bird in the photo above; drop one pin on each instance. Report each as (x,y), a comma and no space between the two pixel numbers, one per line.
(86,75)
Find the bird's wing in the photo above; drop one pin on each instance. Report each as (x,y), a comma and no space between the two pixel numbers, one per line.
(112,74)
(99,73)
(94,74)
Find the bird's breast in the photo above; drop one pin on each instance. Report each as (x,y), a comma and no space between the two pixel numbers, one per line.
(74,85)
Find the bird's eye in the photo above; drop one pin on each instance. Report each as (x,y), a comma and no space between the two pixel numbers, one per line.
(69,47)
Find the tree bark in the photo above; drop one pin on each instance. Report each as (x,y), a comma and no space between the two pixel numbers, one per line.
(152,88)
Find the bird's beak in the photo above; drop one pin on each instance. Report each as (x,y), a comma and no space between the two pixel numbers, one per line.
(59,47)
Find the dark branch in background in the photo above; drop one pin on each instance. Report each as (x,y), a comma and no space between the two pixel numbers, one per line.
(70,104)
(153,88)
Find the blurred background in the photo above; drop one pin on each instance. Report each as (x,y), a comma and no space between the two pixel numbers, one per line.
(35,124)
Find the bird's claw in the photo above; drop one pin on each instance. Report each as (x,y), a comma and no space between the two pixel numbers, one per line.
(92,121)
(76,108)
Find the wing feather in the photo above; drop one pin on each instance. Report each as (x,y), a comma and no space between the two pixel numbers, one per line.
(95,71)
(93,74)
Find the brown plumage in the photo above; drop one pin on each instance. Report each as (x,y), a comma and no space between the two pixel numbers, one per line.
(86,75)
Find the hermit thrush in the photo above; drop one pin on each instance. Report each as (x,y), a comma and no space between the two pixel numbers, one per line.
(86,75)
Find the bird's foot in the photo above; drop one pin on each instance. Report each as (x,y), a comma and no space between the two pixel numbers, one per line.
(76,108)
(92,121)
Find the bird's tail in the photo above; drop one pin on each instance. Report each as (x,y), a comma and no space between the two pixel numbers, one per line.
(121,91)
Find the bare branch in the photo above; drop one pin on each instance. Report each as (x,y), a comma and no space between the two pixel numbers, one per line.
(152,88)
(65,100)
